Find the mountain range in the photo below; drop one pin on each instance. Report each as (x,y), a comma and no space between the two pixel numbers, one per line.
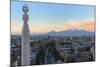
(70,33)
(63,33)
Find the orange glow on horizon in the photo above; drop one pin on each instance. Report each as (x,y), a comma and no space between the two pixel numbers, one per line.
(88,25)
(82,25)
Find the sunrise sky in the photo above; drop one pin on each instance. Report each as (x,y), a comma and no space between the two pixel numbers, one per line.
(45,17)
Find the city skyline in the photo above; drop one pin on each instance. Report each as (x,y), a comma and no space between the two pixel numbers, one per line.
(48,33)
(46,17)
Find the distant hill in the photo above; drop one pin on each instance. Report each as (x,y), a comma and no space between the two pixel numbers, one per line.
(71,33)
(63,33)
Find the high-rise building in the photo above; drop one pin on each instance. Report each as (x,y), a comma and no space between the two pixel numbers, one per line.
(25,55)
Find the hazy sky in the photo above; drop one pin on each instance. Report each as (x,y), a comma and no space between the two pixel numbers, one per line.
(45,17)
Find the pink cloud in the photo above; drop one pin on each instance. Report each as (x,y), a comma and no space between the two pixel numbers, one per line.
(88,25)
